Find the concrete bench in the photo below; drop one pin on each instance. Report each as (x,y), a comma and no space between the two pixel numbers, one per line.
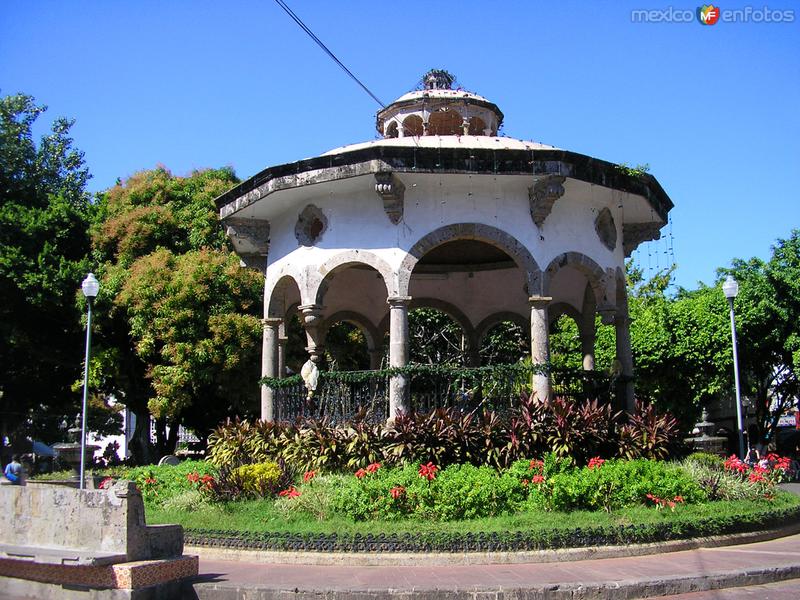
(63,525)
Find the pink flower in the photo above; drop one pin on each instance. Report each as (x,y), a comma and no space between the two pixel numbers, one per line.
(428,471)
(106,483)
(596,462)
(537,479)
(373,467)
(361,473)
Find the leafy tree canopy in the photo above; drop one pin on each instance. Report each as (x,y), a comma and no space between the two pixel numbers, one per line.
(178,316)
(44,217)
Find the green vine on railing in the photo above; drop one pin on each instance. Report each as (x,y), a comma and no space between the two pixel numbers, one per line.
(456,372)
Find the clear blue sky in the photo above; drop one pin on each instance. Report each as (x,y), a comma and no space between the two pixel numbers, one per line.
(714,110)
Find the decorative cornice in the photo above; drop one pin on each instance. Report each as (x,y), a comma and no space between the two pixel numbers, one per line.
(543,194)
(250,238)
(634,234)
(392,191)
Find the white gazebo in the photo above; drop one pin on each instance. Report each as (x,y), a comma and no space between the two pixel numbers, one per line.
(442,212)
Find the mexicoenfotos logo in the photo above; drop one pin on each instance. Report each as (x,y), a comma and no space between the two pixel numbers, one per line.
(708,15)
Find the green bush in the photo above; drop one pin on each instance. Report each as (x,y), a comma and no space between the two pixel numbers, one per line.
(705,459)
(457,492)
(617,484)
(159,483)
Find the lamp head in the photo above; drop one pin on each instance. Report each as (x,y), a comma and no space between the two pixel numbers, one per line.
(90,286)
(730,288)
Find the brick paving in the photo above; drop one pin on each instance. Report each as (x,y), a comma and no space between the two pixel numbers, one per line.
(630,577)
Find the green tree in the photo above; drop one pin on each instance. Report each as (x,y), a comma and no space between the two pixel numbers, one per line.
(768,322)
(178,316)
(44,245)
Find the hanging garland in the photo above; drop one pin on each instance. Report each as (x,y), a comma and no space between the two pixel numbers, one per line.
(446,371)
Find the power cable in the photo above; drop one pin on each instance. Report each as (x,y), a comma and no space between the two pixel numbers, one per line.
(310,33)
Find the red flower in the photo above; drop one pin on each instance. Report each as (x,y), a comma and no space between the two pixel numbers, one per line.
(289,493)
(308,476)
(525,482)
(373,467)
(596,462)
(536,465)
(207,480)
(150,481)
(361,473)
(756,477)
(397,491)
(537,479)
(106,483)
(428,471)
(679,499)
(193,477)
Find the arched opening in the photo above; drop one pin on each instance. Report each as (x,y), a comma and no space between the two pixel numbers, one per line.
(446,122)
(346,348)
(477,126)
(437,338)
(505,342)
(412,126)
(391,130)
(565,342)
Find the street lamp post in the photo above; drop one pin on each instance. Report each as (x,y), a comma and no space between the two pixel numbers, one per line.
(731,289)
(90,287)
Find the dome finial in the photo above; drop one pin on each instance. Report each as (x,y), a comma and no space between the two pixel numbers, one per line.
(438,79)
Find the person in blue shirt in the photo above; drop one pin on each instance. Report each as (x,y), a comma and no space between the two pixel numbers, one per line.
(13,471)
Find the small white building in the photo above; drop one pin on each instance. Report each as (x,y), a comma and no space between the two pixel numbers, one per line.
(443,212)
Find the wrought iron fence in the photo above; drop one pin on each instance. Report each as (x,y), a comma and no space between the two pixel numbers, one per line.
(340,395)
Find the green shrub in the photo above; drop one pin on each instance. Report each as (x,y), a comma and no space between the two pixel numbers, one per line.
(187,501)
(705,459)
(457,492)
(159,483)
(617,484)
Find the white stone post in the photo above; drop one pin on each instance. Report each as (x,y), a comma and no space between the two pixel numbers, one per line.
(540,344)
(269,366)
(398,353)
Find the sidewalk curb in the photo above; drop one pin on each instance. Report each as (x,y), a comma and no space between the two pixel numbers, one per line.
(483,558)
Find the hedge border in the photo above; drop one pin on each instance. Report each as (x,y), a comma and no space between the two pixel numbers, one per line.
(513,541)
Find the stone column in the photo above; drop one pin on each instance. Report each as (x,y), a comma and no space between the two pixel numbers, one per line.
(282,356)
(312,323)
(375,358)
(540,343)
(588,337)
(624,353)
(269,366)
(586,328)
(398,353)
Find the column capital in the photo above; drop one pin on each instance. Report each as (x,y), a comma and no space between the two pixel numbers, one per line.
(539,301)
(272,322)
(398,301)
(312,313)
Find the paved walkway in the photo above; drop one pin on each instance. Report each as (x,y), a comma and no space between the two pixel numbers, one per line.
(632,577)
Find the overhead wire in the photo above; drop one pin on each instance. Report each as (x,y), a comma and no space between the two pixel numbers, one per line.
(327,51)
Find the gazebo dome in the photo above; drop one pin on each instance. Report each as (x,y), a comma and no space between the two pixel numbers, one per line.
(438,109)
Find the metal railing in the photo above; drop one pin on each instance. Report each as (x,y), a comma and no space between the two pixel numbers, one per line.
(340,395)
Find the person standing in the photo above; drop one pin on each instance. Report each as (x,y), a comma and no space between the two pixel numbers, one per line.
(13,471)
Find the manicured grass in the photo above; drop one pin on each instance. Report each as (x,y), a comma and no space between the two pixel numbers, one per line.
(261,516)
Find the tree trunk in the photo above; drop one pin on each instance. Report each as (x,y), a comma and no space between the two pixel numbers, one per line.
(140,447)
